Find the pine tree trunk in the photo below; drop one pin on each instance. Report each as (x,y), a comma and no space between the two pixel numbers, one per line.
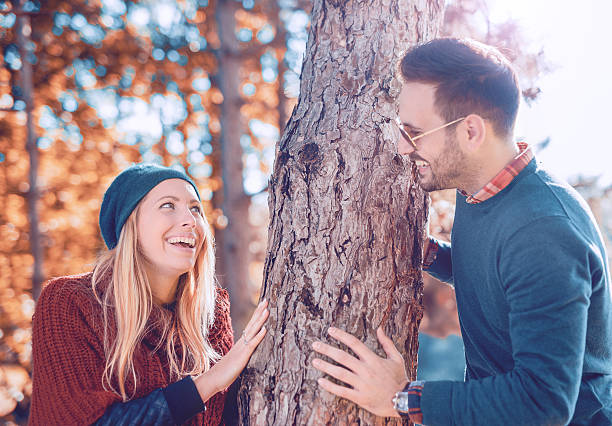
(347,218)
(233,240)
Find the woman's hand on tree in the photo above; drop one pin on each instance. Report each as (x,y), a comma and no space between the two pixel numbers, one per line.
(224,372)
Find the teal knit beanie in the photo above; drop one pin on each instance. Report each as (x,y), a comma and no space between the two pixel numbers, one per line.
(126,191)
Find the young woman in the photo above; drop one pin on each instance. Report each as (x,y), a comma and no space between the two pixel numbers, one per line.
(145,338)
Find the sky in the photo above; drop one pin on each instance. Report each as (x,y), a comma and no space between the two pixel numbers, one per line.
(574,106)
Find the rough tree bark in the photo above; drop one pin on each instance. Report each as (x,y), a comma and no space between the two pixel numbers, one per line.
(347,217)
(232,241)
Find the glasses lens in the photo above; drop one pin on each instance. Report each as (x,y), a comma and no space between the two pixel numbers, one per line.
(404,132)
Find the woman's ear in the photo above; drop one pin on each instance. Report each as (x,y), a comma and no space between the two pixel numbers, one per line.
(473,132)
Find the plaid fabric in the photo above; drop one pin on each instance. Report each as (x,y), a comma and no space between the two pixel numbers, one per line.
(498,183)
(431,251)
(415,390)
(504,177)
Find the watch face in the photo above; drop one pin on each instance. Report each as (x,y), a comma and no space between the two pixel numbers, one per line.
(400,402)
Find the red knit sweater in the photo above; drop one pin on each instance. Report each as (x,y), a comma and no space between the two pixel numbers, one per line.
(68,357)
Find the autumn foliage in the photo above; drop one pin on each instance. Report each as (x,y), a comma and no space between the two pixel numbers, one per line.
(114,83)
(117,82)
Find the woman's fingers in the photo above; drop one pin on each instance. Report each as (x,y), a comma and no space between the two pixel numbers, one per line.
(256,340)
(249,346)
(232,363)
(260,315)
(258,310)
(258,318)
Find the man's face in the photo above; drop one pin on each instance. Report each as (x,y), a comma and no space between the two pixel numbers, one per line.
(438,156)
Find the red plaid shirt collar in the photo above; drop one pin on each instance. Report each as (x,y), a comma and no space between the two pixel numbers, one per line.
(504,177)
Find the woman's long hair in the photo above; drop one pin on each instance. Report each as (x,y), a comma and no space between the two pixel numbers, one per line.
(128,299)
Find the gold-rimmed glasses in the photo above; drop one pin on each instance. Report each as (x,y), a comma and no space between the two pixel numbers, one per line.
(412,139)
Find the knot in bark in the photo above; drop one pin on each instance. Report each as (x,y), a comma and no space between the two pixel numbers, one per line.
(309,154)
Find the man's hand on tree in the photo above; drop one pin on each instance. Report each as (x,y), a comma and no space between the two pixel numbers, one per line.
(373,380)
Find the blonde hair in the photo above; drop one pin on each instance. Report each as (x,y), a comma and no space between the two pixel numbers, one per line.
(130,299)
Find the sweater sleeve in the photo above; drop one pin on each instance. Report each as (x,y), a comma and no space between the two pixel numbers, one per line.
(437,260)
(171,405)
(68,364)
(221,335)
(67,358)
(180,401)
(149,410)
(545,270)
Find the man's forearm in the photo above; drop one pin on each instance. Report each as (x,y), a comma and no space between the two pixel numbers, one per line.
(437,260)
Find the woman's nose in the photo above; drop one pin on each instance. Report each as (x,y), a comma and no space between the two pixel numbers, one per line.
(189,218)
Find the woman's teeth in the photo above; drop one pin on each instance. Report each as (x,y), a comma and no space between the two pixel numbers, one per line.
(184,241)
(421,163)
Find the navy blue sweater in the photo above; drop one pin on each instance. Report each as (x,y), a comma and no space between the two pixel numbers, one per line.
(531,277)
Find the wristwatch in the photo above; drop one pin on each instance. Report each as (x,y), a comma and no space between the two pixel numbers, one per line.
(400,402)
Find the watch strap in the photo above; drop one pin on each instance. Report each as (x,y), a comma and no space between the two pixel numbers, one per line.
(415,391)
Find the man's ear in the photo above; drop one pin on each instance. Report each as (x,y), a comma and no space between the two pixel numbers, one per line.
(472,132)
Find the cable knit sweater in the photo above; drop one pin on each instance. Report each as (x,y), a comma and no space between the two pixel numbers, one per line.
(68,356)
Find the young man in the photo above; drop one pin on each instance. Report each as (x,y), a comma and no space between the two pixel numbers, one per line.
(526,259)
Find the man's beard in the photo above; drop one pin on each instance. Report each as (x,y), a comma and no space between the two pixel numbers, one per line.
(446,171)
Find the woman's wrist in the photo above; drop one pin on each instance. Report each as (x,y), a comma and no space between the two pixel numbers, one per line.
(205,384)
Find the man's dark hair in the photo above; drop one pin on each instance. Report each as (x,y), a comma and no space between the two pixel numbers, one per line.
(470,78)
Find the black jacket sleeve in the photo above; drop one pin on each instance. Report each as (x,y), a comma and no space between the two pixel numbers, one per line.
(172,405)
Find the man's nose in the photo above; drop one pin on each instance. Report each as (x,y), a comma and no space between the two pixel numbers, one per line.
(404,147)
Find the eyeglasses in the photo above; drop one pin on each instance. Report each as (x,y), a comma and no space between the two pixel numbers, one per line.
(413,140)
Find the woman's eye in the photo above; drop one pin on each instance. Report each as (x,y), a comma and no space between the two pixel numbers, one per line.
(168,204)
(196,209)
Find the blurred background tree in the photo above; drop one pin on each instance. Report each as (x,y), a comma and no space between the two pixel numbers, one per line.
(202,85)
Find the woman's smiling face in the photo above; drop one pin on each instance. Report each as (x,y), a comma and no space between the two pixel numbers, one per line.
(170,227)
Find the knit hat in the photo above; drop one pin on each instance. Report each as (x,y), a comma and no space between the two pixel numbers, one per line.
(126,191)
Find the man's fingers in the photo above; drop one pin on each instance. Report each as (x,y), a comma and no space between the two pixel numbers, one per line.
(388,345)
(336,372)
(352,342)
(337,355)
(337,390)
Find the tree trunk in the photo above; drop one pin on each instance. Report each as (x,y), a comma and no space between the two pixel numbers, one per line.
(24,30)
(233,240)
(347,218)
